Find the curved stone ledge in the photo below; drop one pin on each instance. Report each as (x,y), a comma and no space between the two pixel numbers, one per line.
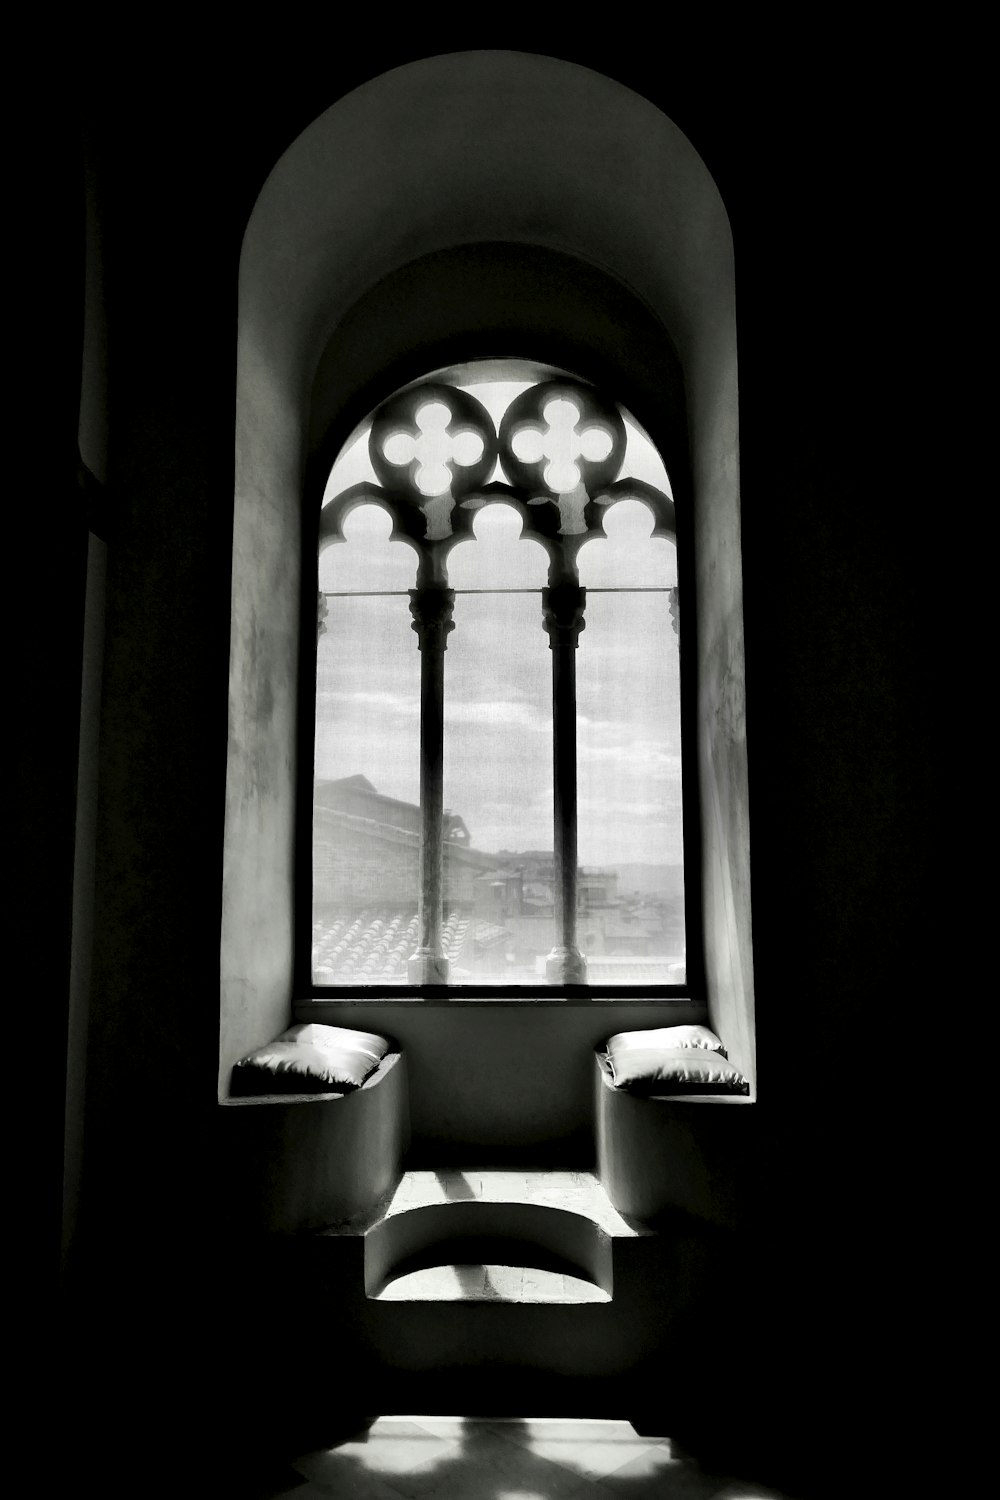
(311,1161)
(662,1153)
(480,1232)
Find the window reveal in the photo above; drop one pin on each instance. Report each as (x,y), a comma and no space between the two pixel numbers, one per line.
(554,452)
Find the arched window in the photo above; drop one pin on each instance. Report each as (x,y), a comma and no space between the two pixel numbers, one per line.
(571,221)
(497,789)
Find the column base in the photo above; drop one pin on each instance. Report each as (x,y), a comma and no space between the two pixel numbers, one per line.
(566,966)
(427,967)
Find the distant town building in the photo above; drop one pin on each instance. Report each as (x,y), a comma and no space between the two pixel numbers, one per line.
(498,907)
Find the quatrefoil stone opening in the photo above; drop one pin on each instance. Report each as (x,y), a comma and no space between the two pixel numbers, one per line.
(561,445)
(563,438)
(434,448)
(432,441)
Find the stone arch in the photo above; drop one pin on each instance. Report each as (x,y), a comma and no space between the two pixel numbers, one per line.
(472,191)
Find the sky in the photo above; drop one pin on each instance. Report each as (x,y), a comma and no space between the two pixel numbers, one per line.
(498,735)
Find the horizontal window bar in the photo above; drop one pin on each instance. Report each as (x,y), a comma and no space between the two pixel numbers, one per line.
(642,994)
(404,593)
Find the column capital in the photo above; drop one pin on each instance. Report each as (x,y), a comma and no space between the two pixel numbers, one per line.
(431,608)
(563,606)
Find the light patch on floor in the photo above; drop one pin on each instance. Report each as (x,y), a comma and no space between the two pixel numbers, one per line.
(459,1458)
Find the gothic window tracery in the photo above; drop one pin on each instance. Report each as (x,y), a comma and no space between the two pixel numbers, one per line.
(478,471)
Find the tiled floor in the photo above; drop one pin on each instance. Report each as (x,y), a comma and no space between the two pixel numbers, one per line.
(456,1458)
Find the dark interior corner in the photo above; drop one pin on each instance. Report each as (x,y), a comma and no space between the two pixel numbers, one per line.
(165,1313)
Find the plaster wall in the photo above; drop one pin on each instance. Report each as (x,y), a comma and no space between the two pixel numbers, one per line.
(722,739)
(257,886)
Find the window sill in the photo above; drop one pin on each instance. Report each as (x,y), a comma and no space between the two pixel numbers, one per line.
(522,998)
(313,1007)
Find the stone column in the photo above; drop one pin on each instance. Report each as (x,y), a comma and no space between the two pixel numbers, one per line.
(431,608)
(563,605)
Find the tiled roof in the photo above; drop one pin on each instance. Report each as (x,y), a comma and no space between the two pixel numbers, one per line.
(373,947)
(488,934)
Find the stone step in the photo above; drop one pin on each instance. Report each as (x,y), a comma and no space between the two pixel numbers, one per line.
(546,1235)
(577,1192)
(491,1283)
(459,1274)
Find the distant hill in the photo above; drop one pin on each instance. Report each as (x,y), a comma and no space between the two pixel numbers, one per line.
(651,880)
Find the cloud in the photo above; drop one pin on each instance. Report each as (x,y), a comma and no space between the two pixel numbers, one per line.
(647,756)
(491,713)
(600,726)
(397,703)
(651,813)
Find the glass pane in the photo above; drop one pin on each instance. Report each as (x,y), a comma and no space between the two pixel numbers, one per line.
(353,465)
(498,558)
(642,460)
(499,923)
(627,556)
(499,878)
(366,817)
(366,559)
(631,849)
